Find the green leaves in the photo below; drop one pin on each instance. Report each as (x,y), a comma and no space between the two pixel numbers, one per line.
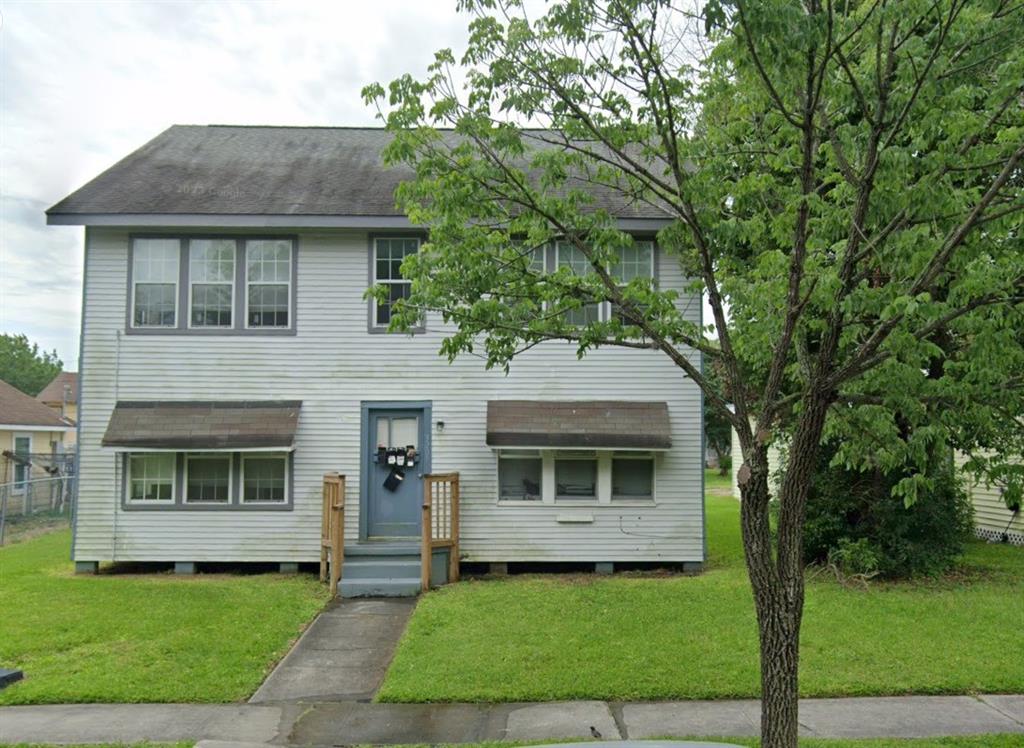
(834,173)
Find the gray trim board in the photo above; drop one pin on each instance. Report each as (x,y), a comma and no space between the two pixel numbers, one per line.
(238,321)
(231,220)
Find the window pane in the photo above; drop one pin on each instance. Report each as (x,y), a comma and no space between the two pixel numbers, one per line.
(155,260)
(576,478)
(211,260)
(22,448)
(268,260)
(396,291)
(211,305)
(268,306)
(404,431)
(264,479)
(635,262)
(155,277)
(208,479)
(151,477)
(519,479)
(632,478)
(537,260)
(569,256)
(154,304)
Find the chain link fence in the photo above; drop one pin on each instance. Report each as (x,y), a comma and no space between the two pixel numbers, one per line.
(38,493)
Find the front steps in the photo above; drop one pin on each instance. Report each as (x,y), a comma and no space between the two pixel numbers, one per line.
(381,569)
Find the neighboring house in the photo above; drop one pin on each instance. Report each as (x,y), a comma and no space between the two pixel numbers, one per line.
(30,436)
(993,520)
(230,360)
(61,396)
(775,456)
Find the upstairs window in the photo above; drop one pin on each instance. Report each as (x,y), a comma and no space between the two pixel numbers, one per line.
(570,256)
(388,254)
(155,282)
(268,275)
(636,261)
(211,272)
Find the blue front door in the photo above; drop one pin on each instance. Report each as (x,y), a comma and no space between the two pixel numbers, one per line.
(394,495)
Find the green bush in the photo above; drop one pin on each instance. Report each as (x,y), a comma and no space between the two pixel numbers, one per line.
(853,521)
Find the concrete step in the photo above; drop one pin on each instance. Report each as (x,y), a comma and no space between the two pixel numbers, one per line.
(379,587)
(381,567)
(383,549)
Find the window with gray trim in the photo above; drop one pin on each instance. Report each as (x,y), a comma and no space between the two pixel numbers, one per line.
(211,285)
(264,478)
(636,261)
(388,254)
(211,272)
(268,282)
(155,282)
(570,256)
(208,478)
(151,477)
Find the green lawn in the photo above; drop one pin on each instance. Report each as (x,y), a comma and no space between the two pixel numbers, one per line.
(141,638)
(546,638)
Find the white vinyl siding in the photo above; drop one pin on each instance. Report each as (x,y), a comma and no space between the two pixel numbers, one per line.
(332,365)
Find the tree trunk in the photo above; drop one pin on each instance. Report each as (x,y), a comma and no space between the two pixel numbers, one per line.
(776,569)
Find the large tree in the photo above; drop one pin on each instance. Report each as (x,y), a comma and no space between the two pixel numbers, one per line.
(842,180)
(24,366)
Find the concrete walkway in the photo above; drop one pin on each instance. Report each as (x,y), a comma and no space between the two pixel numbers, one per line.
(340,723)
(341,657)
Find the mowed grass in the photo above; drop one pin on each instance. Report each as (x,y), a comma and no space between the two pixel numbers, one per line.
(542,638)
(141,637)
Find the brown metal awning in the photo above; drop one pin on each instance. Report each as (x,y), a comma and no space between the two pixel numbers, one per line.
(590,424)
(229,426)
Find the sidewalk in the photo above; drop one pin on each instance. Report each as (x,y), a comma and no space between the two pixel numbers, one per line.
(334,723)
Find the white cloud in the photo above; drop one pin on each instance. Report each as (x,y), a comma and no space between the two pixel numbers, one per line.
(83,84)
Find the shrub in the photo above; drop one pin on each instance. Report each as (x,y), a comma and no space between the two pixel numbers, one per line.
(725,465)
(854,522)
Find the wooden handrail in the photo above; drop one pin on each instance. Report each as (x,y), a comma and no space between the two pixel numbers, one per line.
(332,530)
(440,523)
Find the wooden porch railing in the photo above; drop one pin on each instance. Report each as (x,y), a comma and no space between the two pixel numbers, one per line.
(440,523)
(332,530)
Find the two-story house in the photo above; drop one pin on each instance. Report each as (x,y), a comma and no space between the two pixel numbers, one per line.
(229,359)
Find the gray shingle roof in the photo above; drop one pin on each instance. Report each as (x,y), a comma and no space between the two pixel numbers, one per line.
(19,409)
(54,391)
(252,171)
(203,425)
(593,424)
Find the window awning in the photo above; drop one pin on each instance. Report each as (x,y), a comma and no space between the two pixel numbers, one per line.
(588,424)
(238,426)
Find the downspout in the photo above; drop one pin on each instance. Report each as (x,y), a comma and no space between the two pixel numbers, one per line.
(117,455)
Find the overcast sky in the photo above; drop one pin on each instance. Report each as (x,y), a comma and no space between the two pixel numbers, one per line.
(82,84)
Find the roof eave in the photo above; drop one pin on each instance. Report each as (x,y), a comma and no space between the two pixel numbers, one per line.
(234,220)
